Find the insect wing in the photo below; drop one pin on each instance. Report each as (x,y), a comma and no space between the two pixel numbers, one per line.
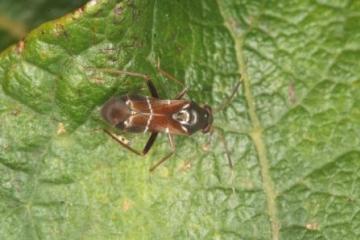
(168,107)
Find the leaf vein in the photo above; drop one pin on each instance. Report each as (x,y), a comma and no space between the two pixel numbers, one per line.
(256,132)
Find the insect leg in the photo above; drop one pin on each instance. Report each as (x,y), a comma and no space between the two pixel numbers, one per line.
(122,143)
(181,94)
(227,153)
(147,147)
(152,88)
(206,146)
(150,143)
(147,79)
(173,148)
(166,74)
(228,100)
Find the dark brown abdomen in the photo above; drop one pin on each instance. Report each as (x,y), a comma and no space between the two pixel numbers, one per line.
(115,111)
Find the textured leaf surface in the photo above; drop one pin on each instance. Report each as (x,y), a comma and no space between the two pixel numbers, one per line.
(20,16)
(292,130)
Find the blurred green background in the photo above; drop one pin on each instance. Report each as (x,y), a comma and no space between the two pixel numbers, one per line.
(18,17)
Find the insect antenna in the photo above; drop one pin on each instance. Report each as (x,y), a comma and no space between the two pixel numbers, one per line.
(173,149)
(223,105)
(166,74)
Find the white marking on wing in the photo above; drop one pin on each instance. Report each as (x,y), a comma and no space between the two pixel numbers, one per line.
(149,105)
(195,117)
(128,122)
(148,123)
(184,128)
(129,103)
(186,106)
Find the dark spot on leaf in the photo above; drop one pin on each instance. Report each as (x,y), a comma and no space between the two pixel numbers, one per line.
(118,10)
(292,93)
(15,112)
(20,46)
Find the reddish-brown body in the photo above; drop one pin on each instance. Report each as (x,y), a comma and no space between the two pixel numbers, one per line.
(149,114)
(134,113)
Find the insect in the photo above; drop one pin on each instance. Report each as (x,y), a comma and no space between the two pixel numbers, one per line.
(141,114)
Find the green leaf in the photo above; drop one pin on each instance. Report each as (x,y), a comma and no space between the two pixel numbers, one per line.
(18,17)
(292,130)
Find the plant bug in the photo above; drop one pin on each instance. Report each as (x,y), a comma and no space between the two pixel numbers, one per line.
(141,114)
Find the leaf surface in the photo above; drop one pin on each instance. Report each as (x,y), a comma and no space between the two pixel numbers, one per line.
(292,129)
(17,18)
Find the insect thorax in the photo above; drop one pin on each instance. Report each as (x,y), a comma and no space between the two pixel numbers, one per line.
(192,117)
